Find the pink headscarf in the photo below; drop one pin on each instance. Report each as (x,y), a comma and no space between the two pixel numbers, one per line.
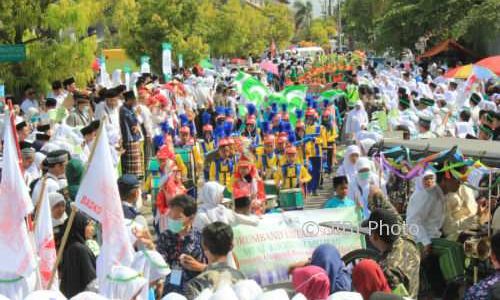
(312,282)
(368,278)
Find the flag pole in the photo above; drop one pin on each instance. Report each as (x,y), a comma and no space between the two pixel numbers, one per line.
(38,203)
(73,211)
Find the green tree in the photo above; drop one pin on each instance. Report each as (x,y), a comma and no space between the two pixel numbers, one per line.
(319,32)
(56,37)
(173,21)
(303,14)
(281,24)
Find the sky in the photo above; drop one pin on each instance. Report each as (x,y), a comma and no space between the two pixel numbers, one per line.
(316,6)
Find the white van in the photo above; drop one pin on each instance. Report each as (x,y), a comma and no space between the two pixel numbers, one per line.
(306,51)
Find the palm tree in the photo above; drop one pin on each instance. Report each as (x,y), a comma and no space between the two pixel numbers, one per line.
(303,13)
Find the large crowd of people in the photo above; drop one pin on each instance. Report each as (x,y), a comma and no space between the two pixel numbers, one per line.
(201,158)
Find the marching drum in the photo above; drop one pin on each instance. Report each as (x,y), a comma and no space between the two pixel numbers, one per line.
(291,199)
(270,187)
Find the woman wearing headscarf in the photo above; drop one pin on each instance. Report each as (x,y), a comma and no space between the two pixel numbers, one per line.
(151,264)
(425,181)
(123,283)
(312,282)
(357,120)
(368,278)
(59,216)
(74,175)
(348,167)
(364,183)
(211,209)
(328,257)
(78,265)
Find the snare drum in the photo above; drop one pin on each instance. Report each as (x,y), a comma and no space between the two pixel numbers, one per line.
(291,199)
(270,187)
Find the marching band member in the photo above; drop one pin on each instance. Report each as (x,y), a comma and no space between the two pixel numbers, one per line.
(251,131)
(208,143)
(267,161)
(222,168)
(292,174)
(314,149)
(329,135)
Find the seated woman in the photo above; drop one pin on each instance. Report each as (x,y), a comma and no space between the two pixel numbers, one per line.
(312,282)
(341,187)
(328,258)
(368,278)
(123,283)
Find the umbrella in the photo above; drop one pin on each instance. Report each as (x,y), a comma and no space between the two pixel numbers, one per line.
(492,63)
(464,72)
(268,66)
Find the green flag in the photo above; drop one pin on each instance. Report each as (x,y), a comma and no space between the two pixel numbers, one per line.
(295,95)
(332,93)
(251,88)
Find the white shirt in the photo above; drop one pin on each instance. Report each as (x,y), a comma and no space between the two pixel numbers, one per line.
(425,213)
(59,98)
(31,173)
(52,186)
(27,104)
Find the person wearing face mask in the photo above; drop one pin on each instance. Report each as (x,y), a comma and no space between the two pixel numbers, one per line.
(180,245)
(217,242)
(56,162)
(361,188)
(172,187)
(81,114)
(89,133)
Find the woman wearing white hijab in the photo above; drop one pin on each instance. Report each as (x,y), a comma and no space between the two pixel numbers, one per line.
(357,120)
(348,167)
(16,287)
(89,296)
(247,289)
(155,269)
(360,187)
(46,295)
(123,283)
(211,208)
(425,181)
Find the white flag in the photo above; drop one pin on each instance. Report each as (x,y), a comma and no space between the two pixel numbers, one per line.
(98,197)
(16,251)
(46,246)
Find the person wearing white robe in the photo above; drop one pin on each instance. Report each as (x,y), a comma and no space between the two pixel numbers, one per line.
(348,167)
(16,287)
(357,120)
(123,283)
(360,187)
